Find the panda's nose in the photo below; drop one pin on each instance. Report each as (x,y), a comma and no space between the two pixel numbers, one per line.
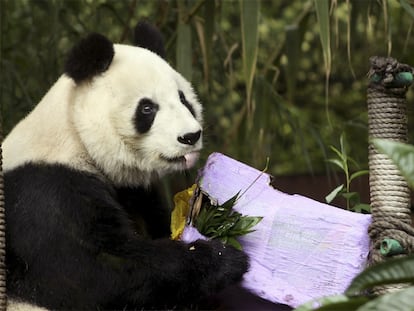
(189,138)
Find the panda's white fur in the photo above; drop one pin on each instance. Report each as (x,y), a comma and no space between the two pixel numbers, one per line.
(15,305)
(92,122)
(85,229)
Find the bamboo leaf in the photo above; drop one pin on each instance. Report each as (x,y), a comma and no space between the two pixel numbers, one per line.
(209,22)
(249,14)
(292,52)
(387,24)
(203,47)
(342,142)
(401,154)
(337,163)
(361,208)
(352,198)
(184,50)
(228,205)
(340,155)
(407,7)
(322,12)
(358,174)
(233,242)
(222,222)
(334,193)
(399,270)
(351,195)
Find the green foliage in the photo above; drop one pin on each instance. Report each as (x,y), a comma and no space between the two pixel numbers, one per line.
(222,222)
(401,300)
(249,16)
(258,66)
(392,271)
(407,7)
(322,11)
(261,79)
(342,160)
(334,303)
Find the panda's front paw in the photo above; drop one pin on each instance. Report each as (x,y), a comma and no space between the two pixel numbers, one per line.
(218,265)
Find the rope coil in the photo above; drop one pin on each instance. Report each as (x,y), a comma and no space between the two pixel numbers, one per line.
(3,295)
(390,194)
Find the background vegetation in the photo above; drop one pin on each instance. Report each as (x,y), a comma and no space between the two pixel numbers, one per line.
(280,79)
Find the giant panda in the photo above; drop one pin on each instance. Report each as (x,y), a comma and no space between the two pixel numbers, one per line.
(85,228)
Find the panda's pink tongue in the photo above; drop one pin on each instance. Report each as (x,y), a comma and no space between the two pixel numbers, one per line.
(191,159)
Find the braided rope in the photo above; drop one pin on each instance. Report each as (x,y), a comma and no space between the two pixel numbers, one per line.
(3,295)
(390,194)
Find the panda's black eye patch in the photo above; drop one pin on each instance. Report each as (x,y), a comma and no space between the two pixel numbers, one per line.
(145,115)
(186,103)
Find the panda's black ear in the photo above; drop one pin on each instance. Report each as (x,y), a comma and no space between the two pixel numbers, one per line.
(90,57)
(149,37)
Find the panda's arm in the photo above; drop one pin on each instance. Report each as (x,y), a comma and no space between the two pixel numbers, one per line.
(75,240)
(145,207)
(169,272)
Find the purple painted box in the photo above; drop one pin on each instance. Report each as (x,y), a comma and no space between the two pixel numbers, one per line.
(302,249)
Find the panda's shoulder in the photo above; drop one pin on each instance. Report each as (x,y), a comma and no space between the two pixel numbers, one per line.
(56,186)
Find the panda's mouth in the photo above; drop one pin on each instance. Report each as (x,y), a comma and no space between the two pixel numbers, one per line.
(180,159)
(187,160)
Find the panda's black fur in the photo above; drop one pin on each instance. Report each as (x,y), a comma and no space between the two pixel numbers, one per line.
(147,36)
(90,57)
(78,241)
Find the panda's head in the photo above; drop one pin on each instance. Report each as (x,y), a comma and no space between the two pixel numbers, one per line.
(134,114)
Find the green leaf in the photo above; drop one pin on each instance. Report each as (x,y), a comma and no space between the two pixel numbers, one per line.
(401,154)
(358,174)
(338,163)
(407,7)
(252,221)
(352,197)
(233,242)
(333,303)
(362,207)
(340,155)
(228,205)
(222,222)
(333,194)
(356,208)
(249,14)
(322,11)
(398,270)
(223,229)
(244,225)
(351,304)
(401,300)
(342,142)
